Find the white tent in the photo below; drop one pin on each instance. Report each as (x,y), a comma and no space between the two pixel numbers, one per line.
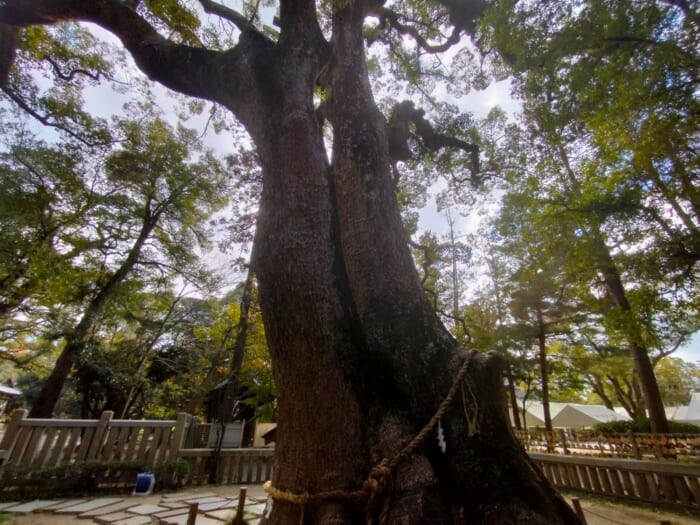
(687,414)
(534,412)
(574,415)
(568,415)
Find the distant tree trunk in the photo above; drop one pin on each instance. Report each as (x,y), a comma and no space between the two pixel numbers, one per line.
(232,386)
(78,338)
(513,398)
(544,372)
(598,388)
(640,356)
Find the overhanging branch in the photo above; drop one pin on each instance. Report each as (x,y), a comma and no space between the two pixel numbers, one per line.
(180,67)
(387,16)
(405,114)
(233,16)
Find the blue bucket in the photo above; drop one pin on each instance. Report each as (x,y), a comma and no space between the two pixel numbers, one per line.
(144,484)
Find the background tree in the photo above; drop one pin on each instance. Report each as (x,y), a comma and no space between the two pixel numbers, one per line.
(609,88)
(97,220)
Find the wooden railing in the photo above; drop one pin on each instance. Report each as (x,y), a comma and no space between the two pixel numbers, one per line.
(681,447)
(54,442)
(47,443)
(648,481)
(234,466)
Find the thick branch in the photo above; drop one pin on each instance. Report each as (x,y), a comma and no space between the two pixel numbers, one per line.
(186,69)
(233,16)
(403,115)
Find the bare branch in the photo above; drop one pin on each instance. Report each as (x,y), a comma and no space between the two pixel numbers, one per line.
(233,16)
(46,120)
(68,77)
(387,16)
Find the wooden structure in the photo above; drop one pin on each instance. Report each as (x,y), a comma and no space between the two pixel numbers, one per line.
(50,443)
(655,482)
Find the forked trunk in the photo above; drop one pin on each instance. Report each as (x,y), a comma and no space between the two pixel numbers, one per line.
(360,360)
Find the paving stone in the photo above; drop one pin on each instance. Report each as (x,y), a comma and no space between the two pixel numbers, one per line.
(31,506)
(182,520)
(136,520)
(257,508)
(173,504)
(65,503)
(225,504)
(171,513)
(111,518)
(146,509)
(110,509)
(223,514)
(88,505)
(9,504)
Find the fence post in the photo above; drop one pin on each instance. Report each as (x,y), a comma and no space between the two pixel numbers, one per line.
(562,436)
(11,433)
(635,446)
(16,419)
(98,436)
(179,434)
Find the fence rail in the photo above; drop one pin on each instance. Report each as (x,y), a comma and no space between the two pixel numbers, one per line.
(648,481)
(680,447)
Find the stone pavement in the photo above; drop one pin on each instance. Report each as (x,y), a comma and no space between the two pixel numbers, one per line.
(168,509)
(216,504)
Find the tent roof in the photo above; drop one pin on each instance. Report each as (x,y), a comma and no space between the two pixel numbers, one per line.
(576,415)
(9,391)
(687,414)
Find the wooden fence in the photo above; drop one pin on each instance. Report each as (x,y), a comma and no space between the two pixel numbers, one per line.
(53,442)
(680,447)
(234,465)
(48,443)
(648,481)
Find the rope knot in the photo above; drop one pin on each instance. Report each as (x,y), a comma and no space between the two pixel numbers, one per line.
(376,487)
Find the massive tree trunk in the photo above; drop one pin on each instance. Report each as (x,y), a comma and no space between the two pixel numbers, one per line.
(360,360)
